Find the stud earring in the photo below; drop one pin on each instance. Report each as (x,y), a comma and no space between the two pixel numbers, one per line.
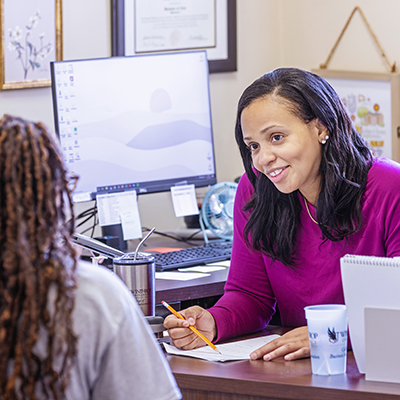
(324,140)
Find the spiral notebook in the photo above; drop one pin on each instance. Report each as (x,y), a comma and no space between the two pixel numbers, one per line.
(371,286)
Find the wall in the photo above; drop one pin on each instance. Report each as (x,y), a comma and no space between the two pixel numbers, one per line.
(258,51)
(309,29)
(271,33)
(86,34)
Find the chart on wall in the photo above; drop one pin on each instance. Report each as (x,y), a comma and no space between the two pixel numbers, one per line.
(369,105)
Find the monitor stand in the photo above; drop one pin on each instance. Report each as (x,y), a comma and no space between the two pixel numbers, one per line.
(111,232)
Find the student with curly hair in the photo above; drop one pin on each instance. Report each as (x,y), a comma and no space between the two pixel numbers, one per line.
(312,192)
(67,329)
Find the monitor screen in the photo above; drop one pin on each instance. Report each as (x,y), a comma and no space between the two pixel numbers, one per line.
(135,123)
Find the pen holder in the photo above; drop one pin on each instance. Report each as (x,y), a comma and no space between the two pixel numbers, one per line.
(139,276)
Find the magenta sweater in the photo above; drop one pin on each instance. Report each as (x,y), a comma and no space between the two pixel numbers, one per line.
(254,284)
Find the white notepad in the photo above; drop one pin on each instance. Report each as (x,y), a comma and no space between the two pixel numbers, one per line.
(369,283)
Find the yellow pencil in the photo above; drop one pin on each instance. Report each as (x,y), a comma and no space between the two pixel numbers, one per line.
(192,328)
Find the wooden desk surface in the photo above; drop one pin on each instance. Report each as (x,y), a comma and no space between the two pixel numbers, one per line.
(279,379)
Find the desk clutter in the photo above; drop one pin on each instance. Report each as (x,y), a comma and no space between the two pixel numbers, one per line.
(370,286)
(178,258)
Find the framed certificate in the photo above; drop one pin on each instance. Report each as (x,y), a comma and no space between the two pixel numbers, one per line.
(148,26)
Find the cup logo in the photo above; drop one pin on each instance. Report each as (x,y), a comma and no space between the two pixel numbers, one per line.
(333,336)
(142,295)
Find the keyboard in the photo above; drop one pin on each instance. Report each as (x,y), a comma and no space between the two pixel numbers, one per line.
(192,256)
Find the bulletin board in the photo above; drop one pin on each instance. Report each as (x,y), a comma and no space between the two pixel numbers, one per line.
(373,102)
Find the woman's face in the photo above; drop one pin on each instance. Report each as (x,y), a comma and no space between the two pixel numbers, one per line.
(283,147)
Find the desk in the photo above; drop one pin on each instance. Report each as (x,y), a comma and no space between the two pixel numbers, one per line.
(279,379)
(199,288)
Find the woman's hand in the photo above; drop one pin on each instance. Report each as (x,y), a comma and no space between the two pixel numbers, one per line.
(182,336)
(292,346)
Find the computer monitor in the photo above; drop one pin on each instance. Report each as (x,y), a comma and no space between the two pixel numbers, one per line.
(135,123)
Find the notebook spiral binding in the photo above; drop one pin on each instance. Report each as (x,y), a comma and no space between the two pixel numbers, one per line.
(372,260)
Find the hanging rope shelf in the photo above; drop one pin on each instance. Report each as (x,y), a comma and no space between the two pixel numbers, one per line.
(392,67)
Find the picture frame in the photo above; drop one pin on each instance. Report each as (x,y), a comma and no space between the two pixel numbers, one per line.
(31,37)
(373,102)
(223,59)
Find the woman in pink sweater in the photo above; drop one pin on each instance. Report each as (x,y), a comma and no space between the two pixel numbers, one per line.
(312,192)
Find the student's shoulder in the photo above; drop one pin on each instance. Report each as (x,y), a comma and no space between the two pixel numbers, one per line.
(97,283)
(88,273)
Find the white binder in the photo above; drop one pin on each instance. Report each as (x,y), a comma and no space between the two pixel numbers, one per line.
(371,284)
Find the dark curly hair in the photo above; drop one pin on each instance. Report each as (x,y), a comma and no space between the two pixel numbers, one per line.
(345,162)
(37,263)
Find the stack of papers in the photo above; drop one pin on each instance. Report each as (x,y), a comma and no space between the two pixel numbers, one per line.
(239,350)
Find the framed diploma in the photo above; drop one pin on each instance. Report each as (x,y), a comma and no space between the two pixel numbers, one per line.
(148,26)
(373,101)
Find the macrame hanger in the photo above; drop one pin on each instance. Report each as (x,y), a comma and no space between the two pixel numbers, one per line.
(325,64)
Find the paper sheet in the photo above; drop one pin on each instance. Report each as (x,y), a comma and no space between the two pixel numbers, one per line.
(180,276)
(202,268)
(226,263)
(116,208)
(184,200)
(239,350)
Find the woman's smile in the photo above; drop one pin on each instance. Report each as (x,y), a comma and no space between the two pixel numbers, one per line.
(277,174)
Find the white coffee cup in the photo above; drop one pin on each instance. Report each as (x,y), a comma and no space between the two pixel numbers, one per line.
(327,331)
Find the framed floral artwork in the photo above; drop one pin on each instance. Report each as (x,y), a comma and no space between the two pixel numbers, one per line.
(31,37)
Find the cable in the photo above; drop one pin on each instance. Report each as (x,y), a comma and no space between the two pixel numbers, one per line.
(83,222)
(95,217)
(86,215)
